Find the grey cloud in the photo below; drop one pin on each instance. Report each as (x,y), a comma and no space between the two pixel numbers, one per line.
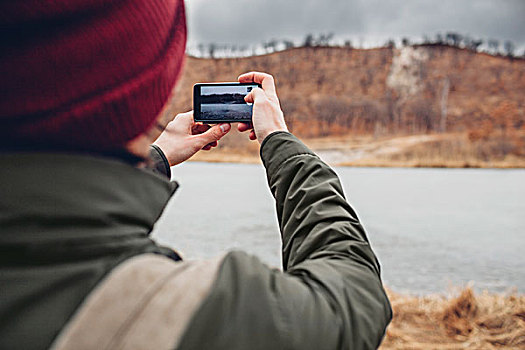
(245,21)
(251,21)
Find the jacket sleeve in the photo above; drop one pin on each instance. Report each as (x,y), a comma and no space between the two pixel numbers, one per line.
(158,163)
(329,296)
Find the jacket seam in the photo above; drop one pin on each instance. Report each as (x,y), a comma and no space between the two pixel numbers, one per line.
(295,156)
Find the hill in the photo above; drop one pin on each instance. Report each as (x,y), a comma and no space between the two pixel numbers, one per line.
(417,105)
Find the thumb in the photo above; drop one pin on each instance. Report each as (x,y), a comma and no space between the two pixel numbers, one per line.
(215,133)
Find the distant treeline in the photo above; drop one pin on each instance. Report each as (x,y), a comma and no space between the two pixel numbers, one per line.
(452,39)
(223,98)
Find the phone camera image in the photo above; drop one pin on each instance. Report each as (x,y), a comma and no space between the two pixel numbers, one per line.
(224,102)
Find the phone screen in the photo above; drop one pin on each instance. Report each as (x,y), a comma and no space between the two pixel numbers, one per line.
(222,102)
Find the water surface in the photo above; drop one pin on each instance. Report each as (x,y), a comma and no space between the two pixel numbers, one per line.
(221,111)
(431,228)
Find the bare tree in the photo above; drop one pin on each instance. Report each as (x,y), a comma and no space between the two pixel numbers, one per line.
(202,49)
(509,48)
(309,41)
(288,44)
(325,39)
(212,49)
(267,46)
(493,45)
(475,44)
(391,44)
(439,39)
(454,38)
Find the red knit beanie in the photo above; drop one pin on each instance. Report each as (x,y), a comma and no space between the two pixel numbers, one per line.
(86,74)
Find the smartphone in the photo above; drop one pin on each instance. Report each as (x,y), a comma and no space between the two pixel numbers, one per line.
(222,102)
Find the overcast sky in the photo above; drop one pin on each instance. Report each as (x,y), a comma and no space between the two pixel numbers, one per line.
(224,90)
(365,22)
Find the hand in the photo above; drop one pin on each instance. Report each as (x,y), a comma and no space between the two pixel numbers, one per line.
(182,137)
(267,115)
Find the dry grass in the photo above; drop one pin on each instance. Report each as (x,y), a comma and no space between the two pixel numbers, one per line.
(452,150)
(508,163)
(468,321)
(457,151)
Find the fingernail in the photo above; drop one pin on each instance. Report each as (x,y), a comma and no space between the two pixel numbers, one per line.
(224,127)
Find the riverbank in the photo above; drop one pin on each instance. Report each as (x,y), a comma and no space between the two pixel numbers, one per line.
(453,150)
(467,321)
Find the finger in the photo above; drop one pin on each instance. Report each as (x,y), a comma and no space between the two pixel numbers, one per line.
(266,80)
(252,135)
(183,120)
(242,127)
(213,134)
(187,116)
(255,95)
(210,145)
(169,117)
(199,128)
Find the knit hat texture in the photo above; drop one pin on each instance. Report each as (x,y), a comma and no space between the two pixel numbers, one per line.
(86,74)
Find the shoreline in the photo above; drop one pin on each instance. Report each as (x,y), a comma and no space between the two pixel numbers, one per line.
(372,164)
(452,150)
(233,158)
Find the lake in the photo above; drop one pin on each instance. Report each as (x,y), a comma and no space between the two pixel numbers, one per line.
(432,229)
(221,111)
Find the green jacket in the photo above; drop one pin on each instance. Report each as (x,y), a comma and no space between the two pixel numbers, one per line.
(78,270)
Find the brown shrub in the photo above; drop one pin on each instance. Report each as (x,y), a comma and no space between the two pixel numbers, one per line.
(468,321)
(457,317)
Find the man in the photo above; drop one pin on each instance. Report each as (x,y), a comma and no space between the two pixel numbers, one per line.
(83,87)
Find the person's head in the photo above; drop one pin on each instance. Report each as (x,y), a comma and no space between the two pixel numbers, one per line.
(86,75)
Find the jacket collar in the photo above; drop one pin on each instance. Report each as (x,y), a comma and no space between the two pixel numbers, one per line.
(76,204)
